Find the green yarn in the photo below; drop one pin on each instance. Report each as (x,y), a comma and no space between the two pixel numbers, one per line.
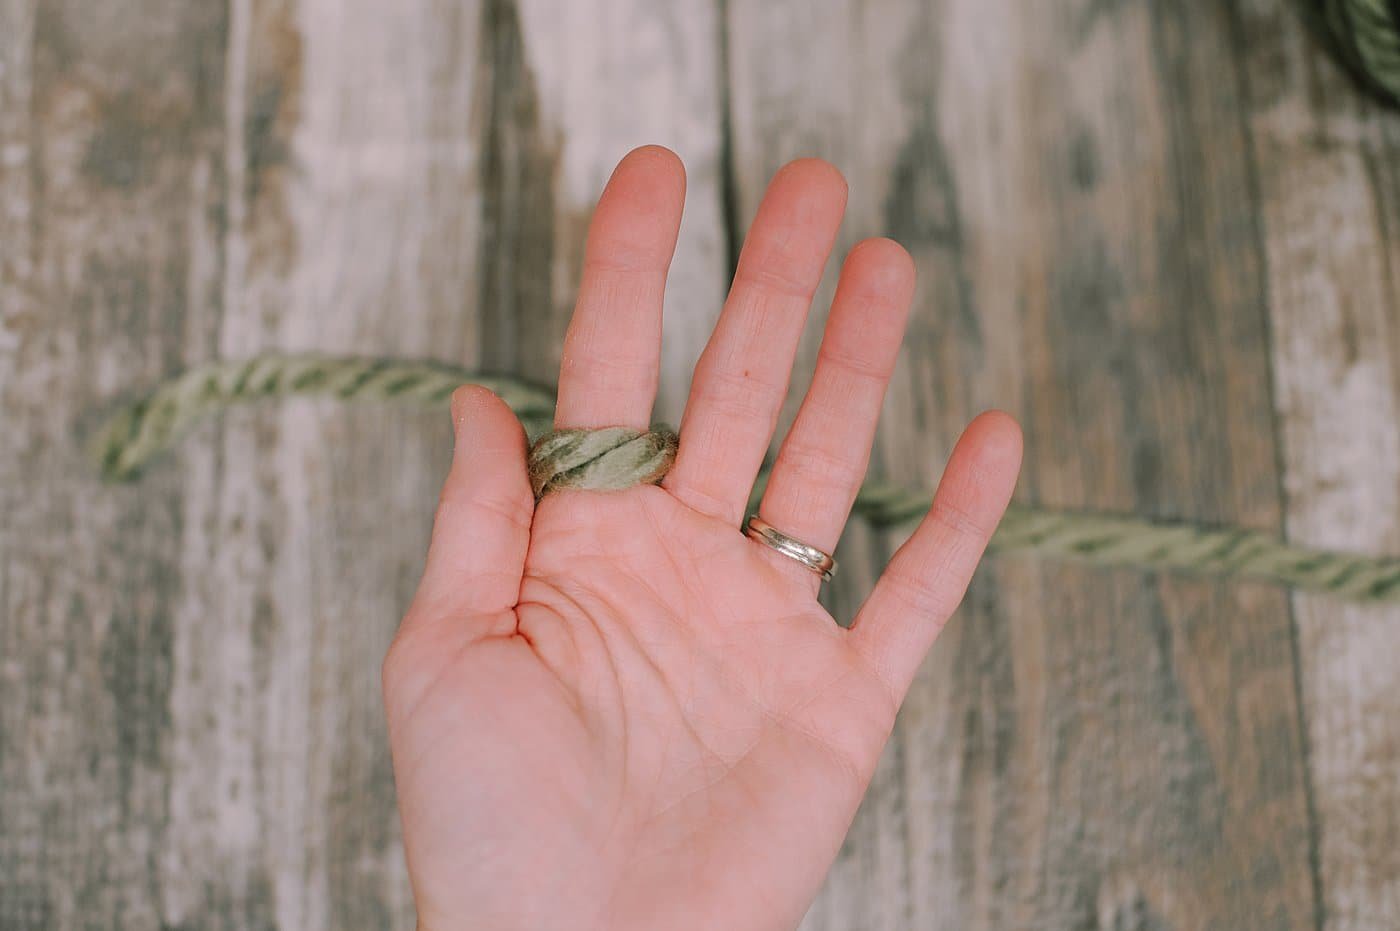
(607,459)
(616,458)
(141,431)
(1365,36)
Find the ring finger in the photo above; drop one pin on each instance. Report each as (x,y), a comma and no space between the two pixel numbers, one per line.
(823,459)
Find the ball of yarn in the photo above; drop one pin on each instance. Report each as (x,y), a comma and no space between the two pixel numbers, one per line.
(1364,36)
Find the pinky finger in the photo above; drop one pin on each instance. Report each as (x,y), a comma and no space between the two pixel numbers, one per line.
(928,576)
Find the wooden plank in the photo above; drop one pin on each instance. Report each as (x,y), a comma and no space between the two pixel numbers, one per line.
(191,734)
(108,164)
(352,204)
(191,729)
(24,895)
(356,224)
(1084,749)
(433,214)
(610,75)
(1329,180)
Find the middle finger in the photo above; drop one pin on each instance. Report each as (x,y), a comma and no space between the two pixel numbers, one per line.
(742,376)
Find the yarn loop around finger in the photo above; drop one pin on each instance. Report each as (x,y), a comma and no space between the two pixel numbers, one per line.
(604,459)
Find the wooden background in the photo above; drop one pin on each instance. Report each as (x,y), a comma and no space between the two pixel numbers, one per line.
(1165,235)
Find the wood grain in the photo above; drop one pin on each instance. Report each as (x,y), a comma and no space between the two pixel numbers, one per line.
(1085,750)
(111,176)
(351,221)
(1329,183)
(609,76)
(191,732)
(1161,234)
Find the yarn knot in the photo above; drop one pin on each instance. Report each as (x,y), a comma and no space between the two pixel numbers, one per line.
(605,459)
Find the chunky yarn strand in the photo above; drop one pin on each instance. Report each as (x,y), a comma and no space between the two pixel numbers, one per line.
(1365,36)
(141,431)
(608,459)
(614,458)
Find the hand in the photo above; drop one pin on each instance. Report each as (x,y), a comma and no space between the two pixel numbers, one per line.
(613,710)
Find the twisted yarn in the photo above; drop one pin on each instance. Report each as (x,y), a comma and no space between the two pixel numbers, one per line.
(142,430)
(615,458)
(607,459)
(1365,36)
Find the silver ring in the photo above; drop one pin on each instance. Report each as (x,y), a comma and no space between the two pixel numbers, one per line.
(756,528)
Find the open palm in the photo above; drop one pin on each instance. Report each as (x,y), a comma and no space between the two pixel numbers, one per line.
(612,709)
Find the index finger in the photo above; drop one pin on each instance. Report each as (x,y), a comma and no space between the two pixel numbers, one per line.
(612,351)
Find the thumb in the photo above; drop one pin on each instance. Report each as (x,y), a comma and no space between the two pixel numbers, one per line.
(482,528)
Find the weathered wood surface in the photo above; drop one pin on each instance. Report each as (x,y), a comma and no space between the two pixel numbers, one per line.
(1084,751)
(1329,190)
(1165,235)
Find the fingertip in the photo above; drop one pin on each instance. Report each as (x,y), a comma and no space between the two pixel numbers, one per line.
(817,187)
(464,399)
(650,172)
(816,171)
(482,412)
(882,265)
(654,157)
(638,215)
(472,401)
(981,474)
(998,439)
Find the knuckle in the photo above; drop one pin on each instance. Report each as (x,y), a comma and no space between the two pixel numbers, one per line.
(624,259)
(740,394)
(610,373)
(929,597)
(857,366)
(774,273)
(458,500)
(958,520)
(813,464)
